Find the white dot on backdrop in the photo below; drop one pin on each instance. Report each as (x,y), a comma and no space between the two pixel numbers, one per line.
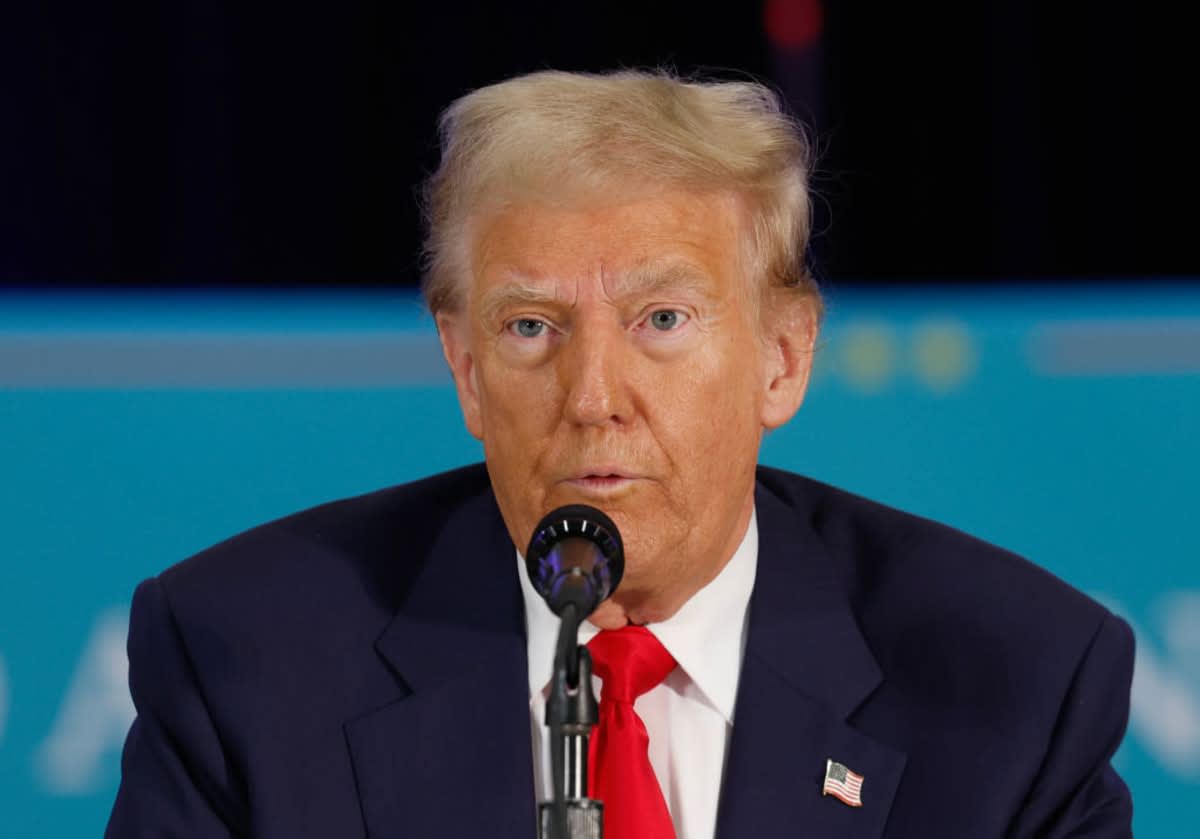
(944,355)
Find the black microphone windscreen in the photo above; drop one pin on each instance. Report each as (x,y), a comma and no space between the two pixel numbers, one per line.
(575,556)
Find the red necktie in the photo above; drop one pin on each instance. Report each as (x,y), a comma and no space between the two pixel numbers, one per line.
(631,661)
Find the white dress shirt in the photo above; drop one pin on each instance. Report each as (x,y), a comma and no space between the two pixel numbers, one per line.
(689,717)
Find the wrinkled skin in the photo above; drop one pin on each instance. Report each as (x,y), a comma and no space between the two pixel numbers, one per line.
(610,353)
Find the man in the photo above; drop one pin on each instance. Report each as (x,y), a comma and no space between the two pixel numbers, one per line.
(616,270)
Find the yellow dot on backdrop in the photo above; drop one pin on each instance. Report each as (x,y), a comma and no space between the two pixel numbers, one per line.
(944,354)
(868,356)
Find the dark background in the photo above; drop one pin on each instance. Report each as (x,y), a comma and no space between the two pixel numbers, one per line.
(210,143)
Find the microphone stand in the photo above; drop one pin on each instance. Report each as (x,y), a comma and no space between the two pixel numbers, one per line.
(571,712)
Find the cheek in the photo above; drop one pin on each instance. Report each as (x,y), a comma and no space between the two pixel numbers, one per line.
(514,402)
(713,401)
(517,419)
(515,434)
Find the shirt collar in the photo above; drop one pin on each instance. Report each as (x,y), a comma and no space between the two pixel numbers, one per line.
(706,636)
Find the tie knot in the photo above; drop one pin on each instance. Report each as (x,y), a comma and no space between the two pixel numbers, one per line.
(630,660)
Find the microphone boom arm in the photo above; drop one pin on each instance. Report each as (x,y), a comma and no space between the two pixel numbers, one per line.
(571,712)
(575,561)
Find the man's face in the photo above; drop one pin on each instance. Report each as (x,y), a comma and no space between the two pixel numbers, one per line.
(611,355)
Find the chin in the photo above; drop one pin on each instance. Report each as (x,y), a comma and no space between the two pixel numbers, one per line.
(638,602)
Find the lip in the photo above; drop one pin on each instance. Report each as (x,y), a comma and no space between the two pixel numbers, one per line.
(601,480)
(601,487)
(602,472)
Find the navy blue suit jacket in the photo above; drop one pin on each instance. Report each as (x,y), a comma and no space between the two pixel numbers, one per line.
(359,669)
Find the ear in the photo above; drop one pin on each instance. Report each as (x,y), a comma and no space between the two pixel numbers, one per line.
(454,332)
(791,336)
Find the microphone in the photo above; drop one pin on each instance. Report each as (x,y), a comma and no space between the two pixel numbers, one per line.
(575,558)
(575,561)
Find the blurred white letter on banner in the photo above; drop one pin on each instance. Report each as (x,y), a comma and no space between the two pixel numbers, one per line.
(95,714)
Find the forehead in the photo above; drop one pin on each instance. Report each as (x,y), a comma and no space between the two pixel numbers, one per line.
(674,237)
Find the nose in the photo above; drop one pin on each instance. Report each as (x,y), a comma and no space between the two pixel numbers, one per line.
(593,371)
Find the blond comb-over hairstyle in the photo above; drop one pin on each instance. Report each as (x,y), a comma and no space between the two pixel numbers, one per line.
(555,136)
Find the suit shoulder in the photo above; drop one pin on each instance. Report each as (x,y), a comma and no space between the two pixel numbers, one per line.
(882,554)
(962,629)
(372,542)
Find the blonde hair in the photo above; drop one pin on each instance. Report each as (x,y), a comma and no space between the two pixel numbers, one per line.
(549,134)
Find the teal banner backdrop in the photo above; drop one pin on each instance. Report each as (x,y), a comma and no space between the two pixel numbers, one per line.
(136,430)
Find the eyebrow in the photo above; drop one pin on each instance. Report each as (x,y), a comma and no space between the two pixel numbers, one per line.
(646,279)
(656,276)
(510,295)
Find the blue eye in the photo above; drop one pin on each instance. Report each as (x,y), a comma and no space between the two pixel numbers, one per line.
(527,327)
(665,320)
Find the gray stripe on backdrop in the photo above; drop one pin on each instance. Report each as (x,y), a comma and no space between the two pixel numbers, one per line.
(219,360)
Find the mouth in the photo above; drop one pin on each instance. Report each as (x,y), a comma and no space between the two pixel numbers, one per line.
(602,481)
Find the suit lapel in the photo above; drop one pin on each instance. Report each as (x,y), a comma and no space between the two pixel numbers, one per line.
(453,757)
(805,670)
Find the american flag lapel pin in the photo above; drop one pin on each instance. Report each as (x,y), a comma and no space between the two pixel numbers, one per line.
(842,784)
